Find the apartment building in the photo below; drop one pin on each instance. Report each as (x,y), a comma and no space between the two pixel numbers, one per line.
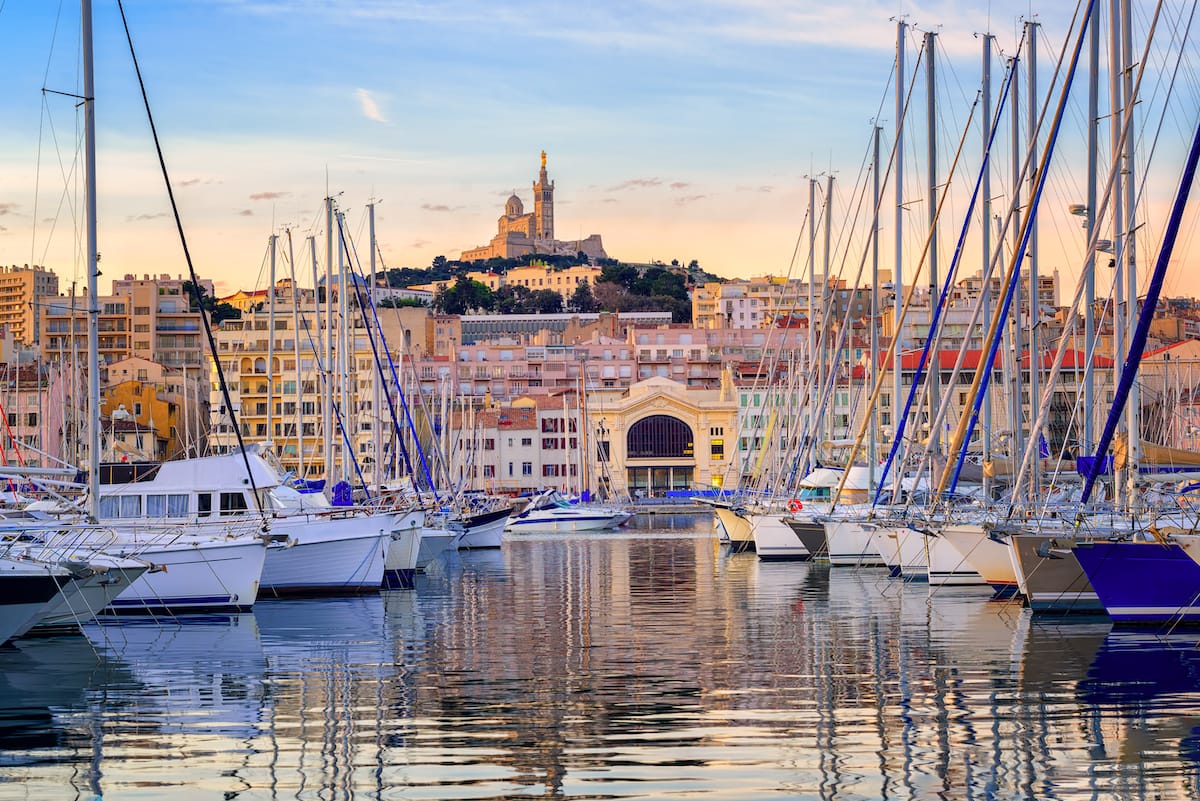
(150,318)
(22,289)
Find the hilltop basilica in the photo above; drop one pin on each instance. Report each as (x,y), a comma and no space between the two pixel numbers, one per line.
(518,233)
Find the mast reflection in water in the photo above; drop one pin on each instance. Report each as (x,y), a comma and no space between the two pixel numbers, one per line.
(643,664)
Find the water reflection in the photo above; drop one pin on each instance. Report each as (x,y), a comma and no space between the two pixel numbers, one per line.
(646,664)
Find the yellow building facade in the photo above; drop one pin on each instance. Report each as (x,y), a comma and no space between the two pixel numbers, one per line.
(661,435)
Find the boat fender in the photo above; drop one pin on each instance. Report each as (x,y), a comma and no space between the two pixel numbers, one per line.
(795,505)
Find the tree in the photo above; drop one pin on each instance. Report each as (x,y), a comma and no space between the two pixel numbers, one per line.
(621,274)
(512,299)
(545,301)
(466,295)
(582,301)
(217,312)
(224,311)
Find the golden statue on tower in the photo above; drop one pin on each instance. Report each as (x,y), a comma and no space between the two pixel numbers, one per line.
(543,159)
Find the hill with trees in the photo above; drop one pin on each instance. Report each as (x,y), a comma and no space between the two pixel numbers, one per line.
(620,287)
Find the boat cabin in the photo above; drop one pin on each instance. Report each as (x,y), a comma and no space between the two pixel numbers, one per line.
(204,488)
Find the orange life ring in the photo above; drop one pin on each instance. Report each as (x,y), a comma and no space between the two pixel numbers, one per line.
(794,505)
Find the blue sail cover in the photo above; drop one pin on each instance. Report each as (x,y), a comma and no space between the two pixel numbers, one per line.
(343,494)
(1084,465)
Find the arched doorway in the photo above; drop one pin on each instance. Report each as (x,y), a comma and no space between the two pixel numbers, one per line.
(660,455)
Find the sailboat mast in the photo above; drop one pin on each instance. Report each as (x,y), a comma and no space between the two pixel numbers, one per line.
(93,259)
(813,361)
(1013,329)
(1089,267)
(296,349)
(1133,409)
(327,385)
(831,372)
(873,370)
(271,346)
(319,368)
(898,276)
(343,348)
(1033,299)
(934,375)
(1117,109)
(376,377)
(566,441)
(985,216)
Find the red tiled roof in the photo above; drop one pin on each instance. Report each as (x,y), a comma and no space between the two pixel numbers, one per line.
(1072,359)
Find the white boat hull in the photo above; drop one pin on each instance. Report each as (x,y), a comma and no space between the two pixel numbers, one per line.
(990,559)
(81,600)
(774,539)
(324,554)
(947,566)
(564,524)
(885,540)
(433,541)
(850,544)
(739,532)
(25,589)
(486,534)
(400,565)
(193,576)
(914,558)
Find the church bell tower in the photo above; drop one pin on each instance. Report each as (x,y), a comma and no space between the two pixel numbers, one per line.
(543,204)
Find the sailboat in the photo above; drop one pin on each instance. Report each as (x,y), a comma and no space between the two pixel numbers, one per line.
(196,570)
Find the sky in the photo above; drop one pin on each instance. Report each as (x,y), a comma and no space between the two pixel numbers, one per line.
(675,130)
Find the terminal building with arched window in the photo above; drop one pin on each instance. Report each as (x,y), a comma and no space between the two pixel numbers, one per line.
(662,435)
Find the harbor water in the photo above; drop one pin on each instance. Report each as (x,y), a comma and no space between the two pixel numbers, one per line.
(644,664)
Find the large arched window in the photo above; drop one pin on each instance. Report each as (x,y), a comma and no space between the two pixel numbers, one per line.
(659,436)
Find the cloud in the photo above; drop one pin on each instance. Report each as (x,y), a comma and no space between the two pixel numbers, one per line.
(369,106)
(419,243)
(686,199)
(677,185)
(189,182)
(246,213)
(145,217)
(636,183)
(437,207)
(7,208)
(2,229)
(268,195)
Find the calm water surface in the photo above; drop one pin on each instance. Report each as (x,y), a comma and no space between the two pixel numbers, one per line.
(646,664)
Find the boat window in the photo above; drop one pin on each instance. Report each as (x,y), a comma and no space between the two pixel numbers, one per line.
(177,505)
(156,505)
(233,503)
(131,506)
(109,506)
(204,504)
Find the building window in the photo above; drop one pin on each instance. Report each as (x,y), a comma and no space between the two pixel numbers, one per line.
(659,436)
(527,468)
(718,449)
